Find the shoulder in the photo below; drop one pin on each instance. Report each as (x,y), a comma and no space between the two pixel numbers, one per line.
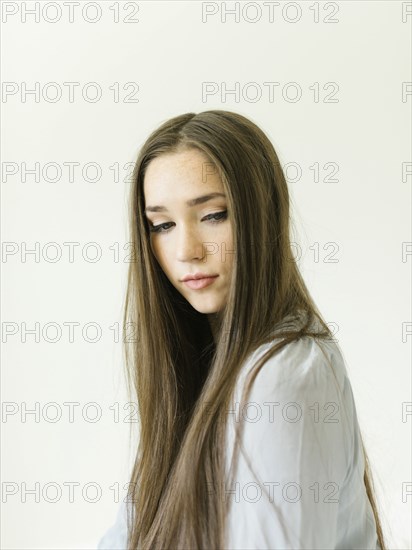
(299,417)
(300,466)
(301,365)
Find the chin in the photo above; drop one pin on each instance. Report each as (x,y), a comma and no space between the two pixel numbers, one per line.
(204,307)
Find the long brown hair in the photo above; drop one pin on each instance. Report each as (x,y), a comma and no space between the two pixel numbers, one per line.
(173,364)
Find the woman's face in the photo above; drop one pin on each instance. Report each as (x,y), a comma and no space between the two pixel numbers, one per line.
(191,233)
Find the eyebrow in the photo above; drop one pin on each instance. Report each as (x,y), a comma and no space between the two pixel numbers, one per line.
(191,202)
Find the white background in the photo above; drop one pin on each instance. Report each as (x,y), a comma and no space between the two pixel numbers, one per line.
(170,51)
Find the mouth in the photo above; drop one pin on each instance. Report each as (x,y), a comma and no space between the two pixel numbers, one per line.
(197,284)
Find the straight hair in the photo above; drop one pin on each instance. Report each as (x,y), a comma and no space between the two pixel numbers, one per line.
(173,365)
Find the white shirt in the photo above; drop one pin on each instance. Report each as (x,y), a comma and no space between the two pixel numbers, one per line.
(299,480)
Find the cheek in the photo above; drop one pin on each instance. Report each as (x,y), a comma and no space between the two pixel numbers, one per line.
(229,257)
(228,240)
(154,248)
(159,254)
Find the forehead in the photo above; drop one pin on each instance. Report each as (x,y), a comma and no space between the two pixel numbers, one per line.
(190,167)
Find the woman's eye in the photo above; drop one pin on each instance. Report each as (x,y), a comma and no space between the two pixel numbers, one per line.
(157,228)
(216,217)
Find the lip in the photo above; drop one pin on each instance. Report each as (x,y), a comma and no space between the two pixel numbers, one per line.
(198,275)
(197,284)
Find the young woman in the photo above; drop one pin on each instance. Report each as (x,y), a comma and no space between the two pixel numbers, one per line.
(249,436)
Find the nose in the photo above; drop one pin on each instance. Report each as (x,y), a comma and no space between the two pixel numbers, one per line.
(189,244)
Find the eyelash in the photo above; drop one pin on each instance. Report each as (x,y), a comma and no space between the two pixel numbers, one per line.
(157,228)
